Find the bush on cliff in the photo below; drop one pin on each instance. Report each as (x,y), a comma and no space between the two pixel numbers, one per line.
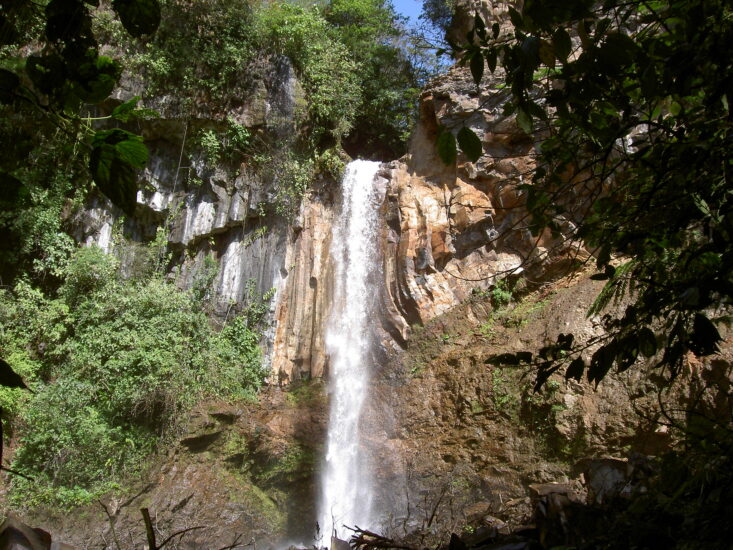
(114,365)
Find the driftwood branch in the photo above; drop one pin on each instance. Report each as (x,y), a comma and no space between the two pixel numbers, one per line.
(178,533)
(367,540)
(235,543)
(150,532)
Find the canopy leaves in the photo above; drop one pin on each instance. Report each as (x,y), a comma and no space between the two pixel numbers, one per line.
(63,71)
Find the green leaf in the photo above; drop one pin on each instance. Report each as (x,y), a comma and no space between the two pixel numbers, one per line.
(479,26)
(447,147)
(48,73)
(604,256)
(125,111)
(470,144)
(561,43)
(116,157)
(530,52)
(95,79)
(516,18)
(491,58)
(477,66)
(67,21)
(547,53)
(524,120)
(618,50)
(495,30)
(139,17)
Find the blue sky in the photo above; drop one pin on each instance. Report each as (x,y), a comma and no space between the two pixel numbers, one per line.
(410,8)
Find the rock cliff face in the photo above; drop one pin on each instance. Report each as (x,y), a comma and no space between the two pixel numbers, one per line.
(303,303)
(453,434)
(448,230)
(206,215)
(452,229)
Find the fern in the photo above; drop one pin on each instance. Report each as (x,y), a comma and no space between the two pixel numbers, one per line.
(614,289)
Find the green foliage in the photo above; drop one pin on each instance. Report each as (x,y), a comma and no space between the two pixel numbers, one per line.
(501,294)
(295,463)
(209,143)
(203,280)
(116,157)
(328,72)
(293,176)
(50,171)
(200,52)
(388,76)
(230,144)
(63,71)
(139,17)
(114,364)
(239,358)
(631,104)
(438,14)
(70,444)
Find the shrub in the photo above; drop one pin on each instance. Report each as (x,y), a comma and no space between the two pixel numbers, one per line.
(89,270)
(128,359)
(328,72)
(238,359)
(70,444)
(200,48)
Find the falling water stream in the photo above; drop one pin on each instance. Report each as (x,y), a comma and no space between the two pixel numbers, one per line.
(347,487)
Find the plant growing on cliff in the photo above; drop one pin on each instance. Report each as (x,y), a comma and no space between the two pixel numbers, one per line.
(632,119)
(114,364)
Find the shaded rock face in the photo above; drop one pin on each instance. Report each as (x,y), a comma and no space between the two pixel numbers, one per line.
(220,219)
(214,216)
(467,438)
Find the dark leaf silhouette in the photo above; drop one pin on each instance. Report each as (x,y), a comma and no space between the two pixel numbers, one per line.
(9,378)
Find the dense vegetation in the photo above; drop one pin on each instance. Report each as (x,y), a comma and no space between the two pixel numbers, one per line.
(634,130)
(350,55)
(113,362)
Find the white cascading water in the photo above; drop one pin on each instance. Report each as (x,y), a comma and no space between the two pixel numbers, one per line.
(346,481)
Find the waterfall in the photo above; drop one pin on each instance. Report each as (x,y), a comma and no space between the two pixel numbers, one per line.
(346,480)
